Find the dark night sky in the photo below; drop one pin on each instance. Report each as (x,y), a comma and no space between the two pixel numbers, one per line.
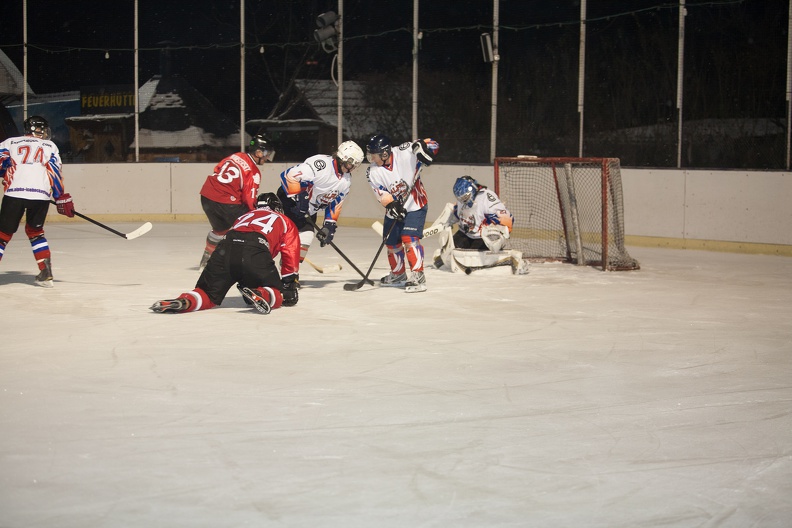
(68,40)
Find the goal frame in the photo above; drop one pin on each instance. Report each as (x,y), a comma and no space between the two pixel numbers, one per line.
(610,205)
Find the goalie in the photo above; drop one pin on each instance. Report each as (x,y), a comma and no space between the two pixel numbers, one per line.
(485,225)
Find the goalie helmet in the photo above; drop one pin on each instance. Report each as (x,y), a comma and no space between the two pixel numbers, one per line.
(38,127)
(378,144)
(465,189)
(349,155)
(260,142)
(270,201)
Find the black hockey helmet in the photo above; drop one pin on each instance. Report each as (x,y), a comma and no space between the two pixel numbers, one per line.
(38,127)
(260,142)
(269,200)
(379,144)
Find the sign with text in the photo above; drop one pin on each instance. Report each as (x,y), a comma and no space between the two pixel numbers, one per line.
(108,99)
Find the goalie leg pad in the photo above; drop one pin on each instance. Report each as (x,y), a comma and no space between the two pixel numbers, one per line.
(470,259)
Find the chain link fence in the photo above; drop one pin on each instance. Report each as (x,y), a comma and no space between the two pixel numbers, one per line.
(198,95)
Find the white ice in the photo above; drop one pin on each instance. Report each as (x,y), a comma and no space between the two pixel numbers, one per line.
(568,397)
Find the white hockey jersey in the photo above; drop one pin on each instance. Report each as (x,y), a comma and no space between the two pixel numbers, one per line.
(31,168)
(487,209)
(401,180)
(320,177)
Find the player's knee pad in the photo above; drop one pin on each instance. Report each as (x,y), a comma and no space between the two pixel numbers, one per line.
(33,232)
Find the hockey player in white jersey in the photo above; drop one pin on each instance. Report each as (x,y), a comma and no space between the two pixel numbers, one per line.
(30,167)
(321,182)
(485,225)
(395,177)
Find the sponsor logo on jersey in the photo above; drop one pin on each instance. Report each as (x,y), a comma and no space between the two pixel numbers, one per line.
(320,164)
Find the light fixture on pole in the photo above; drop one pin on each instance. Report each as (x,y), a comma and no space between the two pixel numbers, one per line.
(326,22)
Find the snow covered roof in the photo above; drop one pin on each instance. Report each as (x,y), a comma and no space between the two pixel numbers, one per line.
(361,118)
(176,115)
(11,79)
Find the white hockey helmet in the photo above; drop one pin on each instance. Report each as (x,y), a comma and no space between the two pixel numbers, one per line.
(349,155)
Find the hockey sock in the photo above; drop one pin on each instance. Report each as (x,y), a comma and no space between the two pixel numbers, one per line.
(273,296)
(198,300)
(39,244)
(396,259)
(5,238)
(415,252)
(212,239)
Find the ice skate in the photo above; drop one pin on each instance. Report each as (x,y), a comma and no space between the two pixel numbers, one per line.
(204,260)
(257,300)
(393,280)
(170,306)
(417,283)
(44,278)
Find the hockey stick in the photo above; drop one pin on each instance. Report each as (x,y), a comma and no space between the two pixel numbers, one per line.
(332,245)
(142,230)
(323,269)
(358,285)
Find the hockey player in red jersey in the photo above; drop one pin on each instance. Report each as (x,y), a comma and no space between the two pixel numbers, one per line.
(246,257)
(320,183)
(30,167)
(395,177)
(231,190)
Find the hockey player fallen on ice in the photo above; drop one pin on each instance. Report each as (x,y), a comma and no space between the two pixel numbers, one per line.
(395,177)
(30,167)
(231,190)
(245,256)
(320,183)
(485,225)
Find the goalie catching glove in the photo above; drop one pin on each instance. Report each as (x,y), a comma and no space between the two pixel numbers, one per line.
(65,205)
(291,285)
(326,234)
(396,210)
(425,150)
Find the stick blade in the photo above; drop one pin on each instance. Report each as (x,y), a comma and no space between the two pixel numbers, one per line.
(333,268)
(354,287)
(140,231)
(378,227)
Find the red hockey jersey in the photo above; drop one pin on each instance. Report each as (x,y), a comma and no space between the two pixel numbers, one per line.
(235,180)
(281,234)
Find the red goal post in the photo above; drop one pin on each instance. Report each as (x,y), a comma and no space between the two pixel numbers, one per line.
(566,209)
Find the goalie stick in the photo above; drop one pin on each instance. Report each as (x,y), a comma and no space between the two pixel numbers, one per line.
(323,269)
(432,230)
(429,231)
(140,231)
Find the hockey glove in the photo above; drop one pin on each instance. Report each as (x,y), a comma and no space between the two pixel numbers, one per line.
(326,234)
(291,285)
(65,205)
(425,150)
(396,210)
(301,202)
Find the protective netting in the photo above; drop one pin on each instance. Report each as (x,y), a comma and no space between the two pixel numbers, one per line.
(568,209)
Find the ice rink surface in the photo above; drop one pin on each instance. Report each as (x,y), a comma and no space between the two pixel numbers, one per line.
(567,397)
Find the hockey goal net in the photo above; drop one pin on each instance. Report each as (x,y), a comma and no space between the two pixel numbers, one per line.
(566,209)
